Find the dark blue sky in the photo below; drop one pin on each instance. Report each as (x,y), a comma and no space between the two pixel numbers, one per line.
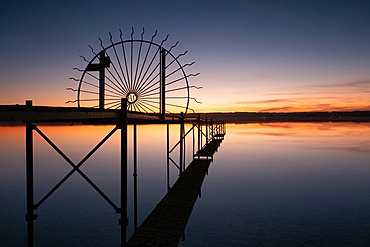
(252,55)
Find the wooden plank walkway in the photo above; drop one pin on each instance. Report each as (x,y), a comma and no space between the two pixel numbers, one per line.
(166,223)
(209,150)
(22,113)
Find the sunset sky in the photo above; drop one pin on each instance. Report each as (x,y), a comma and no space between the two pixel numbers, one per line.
(252,55)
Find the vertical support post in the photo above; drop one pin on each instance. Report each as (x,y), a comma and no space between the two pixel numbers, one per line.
(206,131)
(212,129)
(163,82)
(184,152)
(168,157)
(181,142)
(30,217)
(101,80)
(216,127)
(193,140)
(135,177)
(199,136)
(122,124)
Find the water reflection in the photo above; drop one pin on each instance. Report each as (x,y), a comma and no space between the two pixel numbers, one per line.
(287,184)
(294,184)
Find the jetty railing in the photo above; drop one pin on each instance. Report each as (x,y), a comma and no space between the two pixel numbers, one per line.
(212,130)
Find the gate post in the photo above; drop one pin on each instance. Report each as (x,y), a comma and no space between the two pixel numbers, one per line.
(163,82)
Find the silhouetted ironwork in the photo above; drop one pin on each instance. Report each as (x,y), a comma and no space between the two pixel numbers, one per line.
(146,89)
(149,76)
(32,115)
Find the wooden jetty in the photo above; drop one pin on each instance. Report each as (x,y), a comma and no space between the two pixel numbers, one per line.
(167,222)
(139,92)
(209,150)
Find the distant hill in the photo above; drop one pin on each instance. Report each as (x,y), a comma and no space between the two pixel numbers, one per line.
(255,117)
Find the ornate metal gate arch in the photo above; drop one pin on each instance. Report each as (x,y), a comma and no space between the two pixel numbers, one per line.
(135,69)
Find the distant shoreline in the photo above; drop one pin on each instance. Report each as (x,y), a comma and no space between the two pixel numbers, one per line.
(255,117)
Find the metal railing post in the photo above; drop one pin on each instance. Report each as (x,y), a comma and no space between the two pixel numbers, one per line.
(135,177)
(122,124)
(206,130)
(199,147)
(168,157)
(212,129)
(193,140)
(181,142)
(163,82)
(30,216)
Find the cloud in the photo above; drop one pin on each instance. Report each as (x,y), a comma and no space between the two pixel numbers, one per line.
(357,84)
(277,94)
(266,133)
(279,109)
(339,88)
(265,101)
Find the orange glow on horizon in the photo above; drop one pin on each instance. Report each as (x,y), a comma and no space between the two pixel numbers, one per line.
(328,98)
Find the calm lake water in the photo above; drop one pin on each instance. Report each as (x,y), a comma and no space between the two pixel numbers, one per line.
(280,184)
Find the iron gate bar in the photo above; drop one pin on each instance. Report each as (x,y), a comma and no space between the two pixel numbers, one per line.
(76,168)
(124,84)
(163,82)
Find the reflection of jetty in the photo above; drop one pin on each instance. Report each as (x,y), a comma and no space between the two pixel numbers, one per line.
(166,224)
(174,210)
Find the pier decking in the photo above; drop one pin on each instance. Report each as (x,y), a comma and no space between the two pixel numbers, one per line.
(209,150)
(167,222)
(49,114)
